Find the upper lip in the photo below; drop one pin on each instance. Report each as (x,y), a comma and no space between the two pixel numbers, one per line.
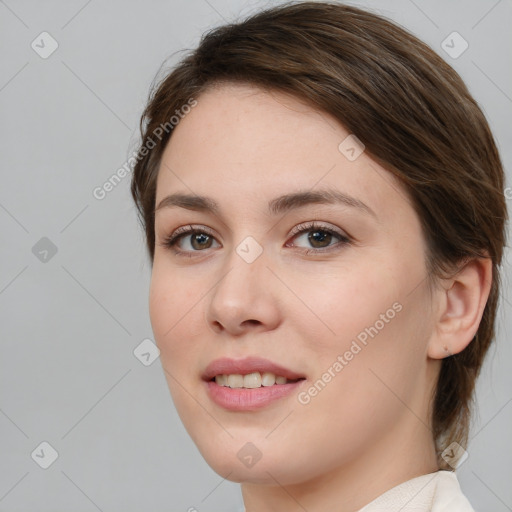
(227,366)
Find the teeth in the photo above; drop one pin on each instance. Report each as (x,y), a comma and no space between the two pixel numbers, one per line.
(251,380)
(236,381)
(268,379)
(221,380)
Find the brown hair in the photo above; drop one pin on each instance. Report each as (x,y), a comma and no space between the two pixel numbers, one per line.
(411,110)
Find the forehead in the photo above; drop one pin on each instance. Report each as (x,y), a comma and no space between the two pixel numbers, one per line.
(242,140)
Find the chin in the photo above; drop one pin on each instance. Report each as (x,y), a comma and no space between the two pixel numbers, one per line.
(242,462)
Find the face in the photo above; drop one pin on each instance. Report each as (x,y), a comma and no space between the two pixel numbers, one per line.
(305,260)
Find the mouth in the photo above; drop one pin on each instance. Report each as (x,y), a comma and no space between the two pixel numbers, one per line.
(250,383)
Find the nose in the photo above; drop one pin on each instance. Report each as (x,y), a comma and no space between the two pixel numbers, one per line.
(245,298)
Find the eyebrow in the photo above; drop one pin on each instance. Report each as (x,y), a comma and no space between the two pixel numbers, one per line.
(276,206)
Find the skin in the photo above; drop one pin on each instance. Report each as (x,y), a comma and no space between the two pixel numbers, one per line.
(368,429)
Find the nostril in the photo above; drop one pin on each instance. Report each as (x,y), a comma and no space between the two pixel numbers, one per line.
(253,322)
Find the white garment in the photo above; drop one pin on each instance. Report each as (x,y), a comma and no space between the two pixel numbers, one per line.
(435,492)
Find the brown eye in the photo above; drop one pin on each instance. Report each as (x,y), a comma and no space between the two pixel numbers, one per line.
(200,240)
(189,240)
(319,238)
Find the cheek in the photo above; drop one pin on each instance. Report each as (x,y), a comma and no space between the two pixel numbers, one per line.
(370,318)
(175,311)
(335,307)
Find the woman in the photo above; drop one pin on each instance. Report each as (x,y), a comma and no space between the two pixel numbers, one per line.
(323,208)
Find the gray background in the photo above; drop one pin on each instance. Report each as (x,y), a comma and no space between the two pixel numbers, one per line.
(71,320)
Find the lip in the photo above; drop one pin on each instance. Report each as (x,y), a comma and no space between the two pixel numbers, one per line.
(242,399)
(227,366)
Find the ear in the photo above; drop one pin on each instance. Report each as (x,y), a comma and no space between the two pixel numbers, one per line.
(461,303)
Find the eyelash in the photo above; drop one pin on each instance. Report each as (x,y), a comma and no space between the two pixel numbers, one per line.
(171,241)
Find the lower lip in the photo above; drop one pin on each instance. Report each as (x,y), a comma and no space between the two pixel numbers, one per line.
(243,399)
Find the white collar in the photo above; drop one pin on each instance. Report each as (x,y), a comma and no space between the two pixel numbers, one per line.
(435,492)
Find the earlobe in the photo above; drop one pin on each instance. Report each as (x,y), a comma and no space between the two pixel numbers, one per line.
(462,300)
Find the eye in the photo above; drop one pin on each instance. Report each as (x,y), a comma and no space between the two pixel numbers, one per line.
(319,237)
(187,240)
(196,238)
